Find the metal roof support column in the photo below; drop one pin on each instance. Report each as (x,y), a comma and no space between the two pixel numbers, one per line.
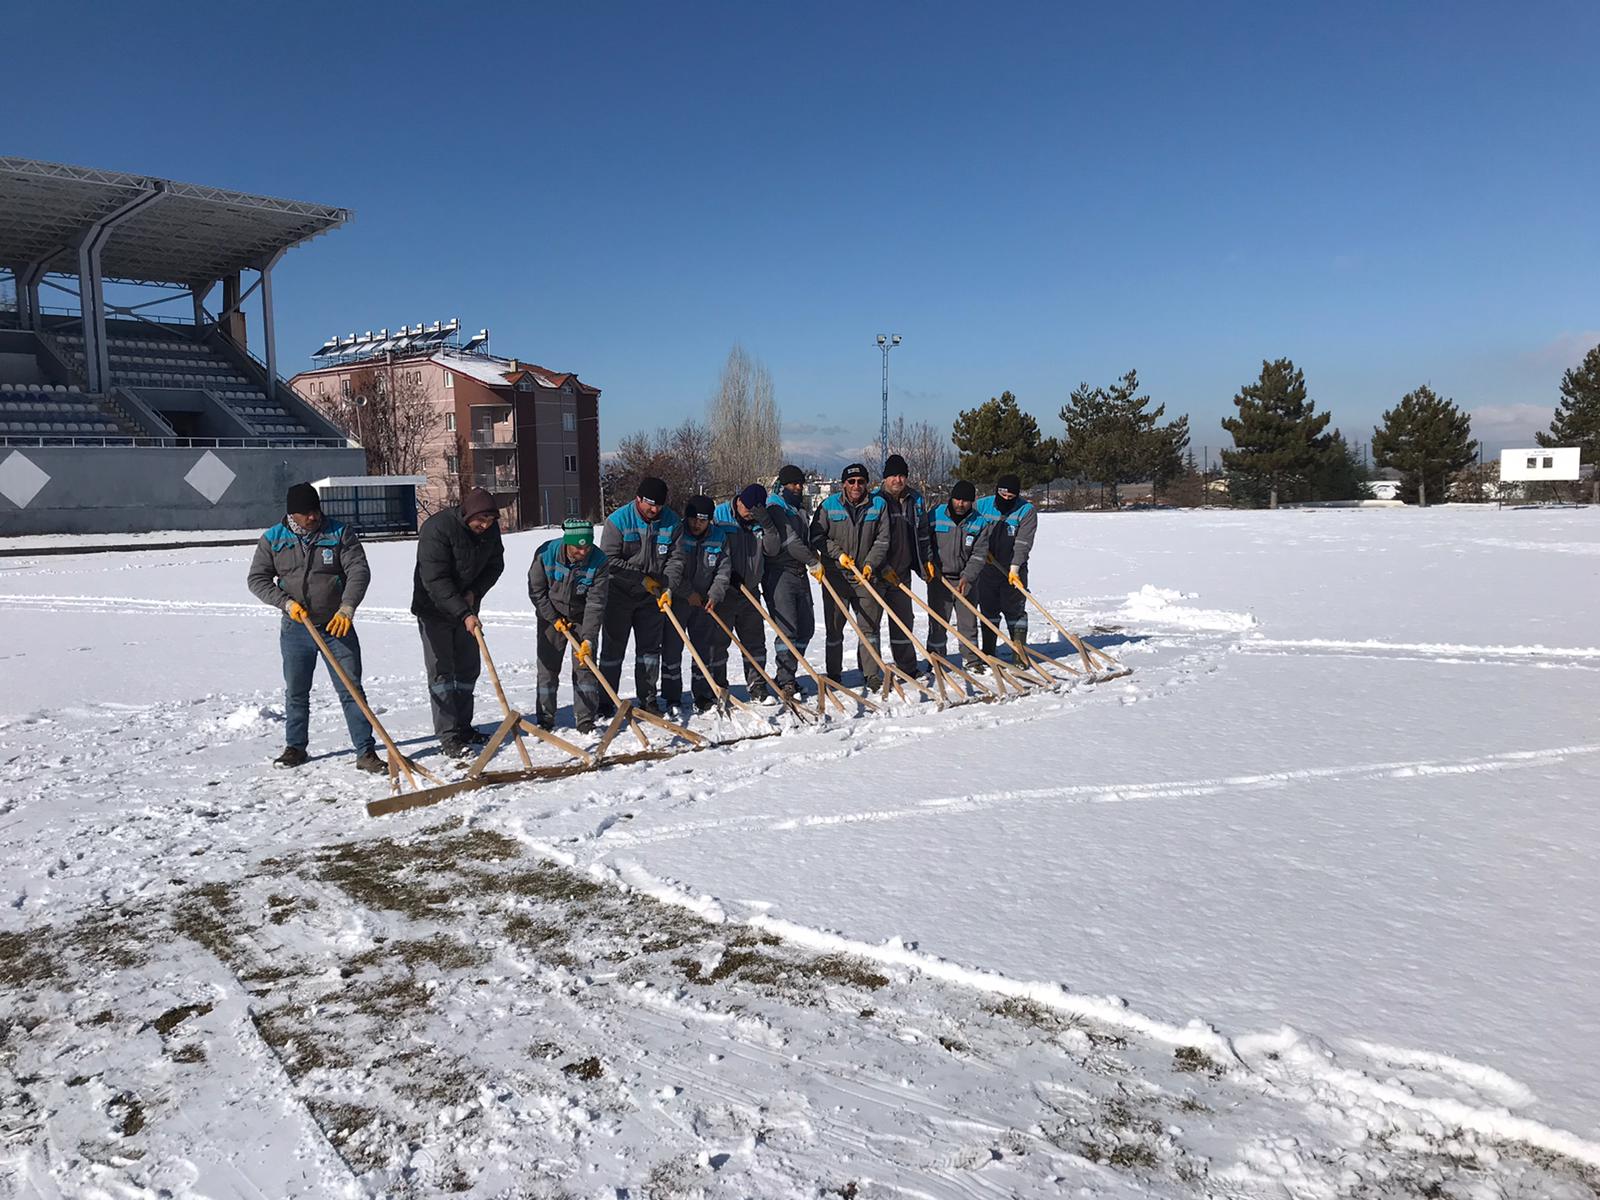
(29,276)
(200,291)
(91,288)
(269,328)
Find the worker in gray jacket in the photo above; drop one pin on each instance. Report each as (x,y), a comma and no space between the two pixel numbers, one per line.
(307,566)
(910,554)
(786,542)
(636,538)
(1011,523)
(744,520)
(848,531)
(960,546)
(698,571)
(568,583)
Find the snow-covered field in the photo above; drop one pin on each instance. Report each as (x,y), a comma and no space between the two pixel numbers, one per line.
(1306,906)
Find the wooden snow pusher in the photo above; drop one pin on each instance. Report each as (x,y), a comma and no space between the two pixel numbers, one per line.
(1029,668)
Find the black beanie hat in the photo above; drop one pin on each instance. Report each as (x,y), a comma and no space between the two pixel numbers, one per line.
(477,502)
(895,465)
(754,496)
(791,474)
(699,506)
(1010,483)
(651,488)
(854,471)
(302,498)
(963,491)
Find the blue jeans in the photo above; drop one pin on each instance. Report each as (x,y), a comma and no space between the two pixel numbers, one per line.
(300,656)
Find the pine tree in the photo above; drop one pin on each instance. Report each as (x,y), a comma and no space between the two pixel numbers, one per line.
(1577,419)
(1427,439)
(997,438)
(1277,436)
(1113,437)
(1339,474)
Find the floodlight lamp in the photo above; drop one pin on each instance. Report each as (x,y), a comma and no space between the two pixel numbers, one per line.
(895,341)
(881,339)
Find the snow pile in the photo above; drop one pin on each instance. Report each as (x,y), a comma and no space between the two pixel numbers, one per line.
(1151,605)
(249,718)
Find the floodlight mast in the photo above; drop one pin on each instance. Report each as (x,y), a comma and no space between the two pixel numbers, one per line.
(886,343)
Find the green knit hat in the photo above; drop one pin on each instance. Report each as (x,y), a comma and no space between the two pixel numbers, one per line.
(575,531)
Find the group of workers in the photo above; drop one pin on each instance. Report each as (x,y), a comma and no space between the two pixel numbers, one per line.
(721,571)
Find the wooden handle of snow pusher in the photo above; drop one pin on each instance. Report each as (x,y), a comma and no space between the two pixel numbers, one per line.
(890,679)
(733,639)
(1072,639)
(820,680)
(397,761)
(723,695)
(888,672)
(494,678)
(1028,659)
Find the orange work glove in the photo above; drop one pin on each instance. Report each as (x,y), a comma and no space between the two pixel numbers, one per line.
(339,623)
(929,571)
(1014,579)
(665,602)
(816,572)
(866,573)
(562,625)
(296,613)
(651,586)
(888,575)
(846,561)
(583,652)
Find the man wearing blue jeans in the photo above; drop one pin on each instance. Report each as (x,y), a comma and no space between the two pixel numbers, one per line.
(310,567)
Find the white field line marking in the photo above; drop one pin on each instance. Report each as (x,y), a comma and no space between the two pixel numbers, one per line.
(1114,793)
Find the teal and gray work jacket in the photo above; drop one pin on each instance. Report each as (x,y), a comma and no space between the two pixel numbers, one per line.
(322,571)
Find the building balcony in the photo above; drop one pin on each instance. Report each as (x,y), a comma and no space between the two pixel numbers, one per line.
(494,481)
(489,441)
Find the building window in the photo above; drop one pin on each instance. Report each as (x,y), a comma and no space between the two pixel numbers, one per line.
(572,506)
(1533,464)
(569,422)
(450,422)
(566,389)
(524,386)
(1549,463)
(452,464)
(570,461)
(449,381)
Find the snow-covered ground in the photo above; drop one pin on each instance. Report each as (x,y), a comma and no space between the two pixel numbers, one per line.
(1306,906)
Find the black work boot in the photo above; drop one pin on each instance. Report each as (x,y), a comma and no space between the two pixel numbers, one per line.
(292,756)
(368,760)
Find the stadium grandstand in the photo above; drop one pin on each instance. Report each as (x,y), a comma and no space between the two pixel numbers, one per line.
(115,415)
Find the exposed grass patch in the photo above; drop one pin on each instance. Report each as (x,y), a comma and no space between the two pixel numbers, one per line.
(190,1053)
(173,1017)
(1028,1012)
(1191,1058)
(441,951)
(354,1130)
(587,1069)
(26,961)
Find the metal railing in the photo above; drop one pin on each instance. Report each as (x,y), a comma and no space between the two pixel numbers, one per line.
(172,443)
(492,443)
(493,481)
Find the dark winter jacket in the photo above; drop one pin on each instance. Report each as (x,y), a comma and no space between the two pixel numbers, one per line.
(784,538)
(322,571)
(906,521)
(857,530)
(960,544)
(700,565)
(637,548)
(452,561)
(574,592)
(1010,534)
(746,558)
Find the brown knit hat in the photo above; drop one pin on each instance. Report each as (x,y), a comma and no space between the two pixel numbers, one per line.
(478,501)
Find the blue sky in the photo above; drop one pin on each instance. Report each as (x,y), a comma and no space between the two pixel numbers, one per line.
(1031,196)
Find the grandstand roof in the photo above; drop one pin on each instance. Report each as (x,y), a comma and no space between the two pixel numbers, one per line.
(188,233)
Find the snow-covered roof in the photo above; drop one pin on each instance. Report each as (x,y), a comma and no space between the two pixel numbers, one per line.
(505,372)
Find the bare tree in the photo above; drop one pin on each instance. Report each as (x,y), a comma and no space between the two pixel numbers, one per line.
(928,451)
(680,456)
(743,415)
(392,414)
